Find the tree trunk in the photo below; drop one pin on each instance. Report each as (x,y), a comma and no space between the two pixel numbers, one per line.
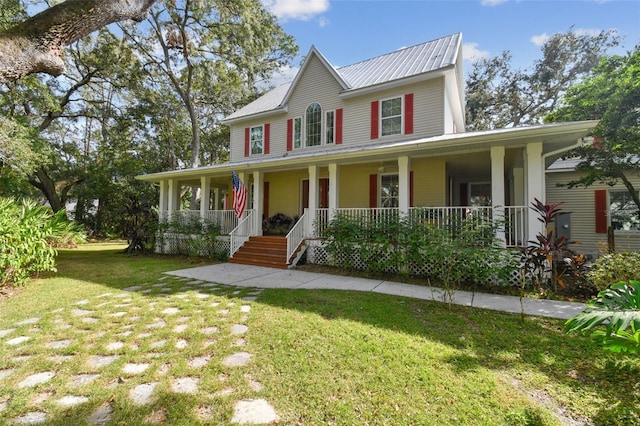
(36,44)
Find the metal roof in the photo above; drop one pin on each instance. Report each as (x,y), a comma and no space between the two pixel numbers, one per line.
(267,102)
(407,62)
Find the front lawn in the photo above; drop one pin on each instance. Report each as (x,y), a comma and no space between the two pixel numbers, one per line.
(317,357)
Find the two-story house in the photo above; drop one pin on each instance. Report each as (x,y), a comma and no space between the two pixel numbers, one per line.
(385,134)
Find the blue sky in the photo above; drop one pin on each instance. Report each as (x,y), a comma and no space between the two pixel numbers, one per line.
(347,31)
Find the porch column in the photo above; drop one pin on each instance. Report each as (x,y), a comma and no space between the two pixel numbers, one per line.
(313,196)
(334,197)
(205,196)
(534,186)
(403,185)
(162,207)
(497,189)
(172,204)
(258,200)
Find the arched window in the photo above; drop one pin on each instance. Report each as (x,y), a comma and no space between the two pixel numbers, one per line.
(313,121)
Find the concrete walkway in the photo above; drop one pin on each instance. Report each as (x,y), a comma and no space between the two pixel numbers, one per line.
(261,277)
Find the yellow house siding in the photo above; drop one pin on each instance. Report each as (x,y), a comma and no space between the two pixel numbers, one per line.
(429,182)
(354,185)
(284,192)
(580,202)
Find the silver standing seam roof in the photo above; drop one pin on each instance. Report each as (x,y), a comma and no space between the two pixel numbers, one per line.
(406,62)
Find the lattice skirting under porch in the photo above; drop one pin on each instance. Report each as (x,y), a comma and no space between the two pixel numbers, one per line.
(317,254)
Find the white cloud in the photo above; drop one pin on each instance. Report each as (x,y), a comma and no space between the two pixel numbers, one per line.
(297,9)
(492,3)
(540,39)
(471,52)
(323,22)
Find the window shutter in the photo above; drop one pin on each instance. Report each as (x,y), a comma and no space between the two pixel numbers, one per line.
(601,211)
(408,113)
(375,117)
(290,134)
(373,191)
(246,141)
(338,126)
(267,137)
(410,189)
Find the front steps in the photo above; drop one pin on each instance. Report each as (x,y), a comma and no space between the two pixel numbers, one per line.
(268,251)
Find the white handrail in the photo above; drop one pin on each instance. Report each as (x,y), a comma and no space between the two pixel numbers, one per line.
(242,232)
(296,235)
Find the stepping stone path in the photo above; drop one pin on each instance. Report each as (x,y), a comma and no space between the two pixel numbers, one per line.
(135,342)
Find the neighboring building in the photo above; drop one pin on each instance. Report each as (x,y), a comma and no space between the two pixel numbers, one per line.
(385,134)
(592,210)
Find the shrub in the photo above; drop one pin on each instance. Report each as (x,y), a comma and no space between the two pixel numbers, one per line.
(27,235)
(189,236)
(463,251)
(615,267)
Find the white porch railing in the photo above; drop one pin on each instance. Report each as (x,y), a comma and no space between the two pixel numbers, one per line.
(296,235)
(225,219)
(242,232)
(515,218)
(516,225)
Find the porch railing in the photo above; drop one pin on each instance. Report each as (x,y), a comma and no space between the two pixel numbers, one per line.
(296,235)
(225,219)
(241,233)
(515,218)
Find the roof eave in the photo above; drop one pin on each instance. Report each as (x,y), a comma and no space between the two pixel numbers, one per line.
(255,116)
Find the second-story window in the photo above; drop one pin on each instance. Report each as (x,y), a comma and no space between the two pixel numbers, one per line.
(257,140)
(313,125)
(297,132)
(329,127)
(391,116)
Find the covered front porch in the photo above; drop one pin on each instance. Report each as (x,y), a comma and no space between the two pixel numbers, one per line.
(494,175)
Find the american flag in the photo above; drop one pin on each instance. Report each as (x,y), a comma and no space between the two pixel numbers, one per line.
(239,195)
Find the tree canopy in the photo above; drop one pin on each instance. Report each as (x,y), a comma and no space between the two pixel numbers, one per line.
(611,95)
(499,95)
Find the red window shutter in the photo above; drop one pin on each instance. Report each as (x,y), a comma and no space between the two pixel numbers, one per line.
(408,113)
(375,105)
(601,211)
(247,134)
(373,191)
(290,134)
(267,137)
(339,126)
(410,189)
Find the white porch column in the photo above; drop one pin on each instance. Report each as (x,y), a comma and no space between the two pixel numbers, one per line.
(334,196)
(313,195)
(535,186)
(205,196)
(258,199)
(497,188)
(172,204)
(403,185)
(162,207)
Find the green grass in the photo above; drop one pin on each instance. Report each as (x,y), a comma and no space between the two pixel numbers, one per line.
(323,357)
